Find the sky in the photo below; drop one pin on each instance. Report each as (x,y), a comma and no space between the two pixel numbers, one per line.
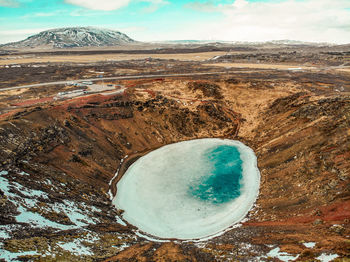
(160,20)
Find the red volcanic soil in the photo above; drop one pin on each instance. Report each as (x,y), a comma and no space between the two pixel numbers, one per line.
(301,143)
(336,212)
(81,101)
(8,114)
(133,83)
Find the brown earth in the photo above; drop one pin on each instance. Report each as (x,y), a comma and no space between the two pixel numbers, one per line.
(8,60)
(298,127)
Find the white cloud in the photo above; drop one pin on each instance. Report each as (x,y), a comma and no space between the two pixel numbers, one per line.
(9,3)
(202,6)
(156,2)
(153,5)
(41,14)
(104,5)
(239,4)
(307,20)
(109,5)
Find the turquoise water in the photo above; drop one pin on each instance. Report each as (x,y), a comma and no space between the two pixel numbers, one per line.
(189,190)
(223,183)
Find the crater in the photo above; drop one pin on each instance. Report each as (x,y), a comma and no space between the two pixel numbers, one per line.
(189,190)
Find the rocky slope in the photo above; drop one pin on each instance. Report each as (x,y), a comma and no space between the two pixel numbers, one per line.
(72,37)
(58,160)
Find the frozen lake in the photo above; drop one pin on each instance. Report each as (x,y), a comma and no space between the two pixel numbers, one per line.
(189,190)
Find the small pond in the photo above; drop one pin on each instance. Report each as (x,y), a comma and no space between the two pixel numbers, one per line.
(190,190)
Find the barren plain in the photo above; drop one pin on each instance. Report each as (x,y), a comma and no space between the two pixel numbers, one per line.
(59,154)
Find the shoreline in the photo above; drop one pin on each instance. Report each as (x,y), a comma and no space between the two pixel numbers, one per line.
(124,164)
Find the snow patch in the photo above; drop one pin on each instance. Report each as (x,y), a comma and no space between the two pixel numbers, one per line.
(76,247)
(139,234)
(91,237)
(327,257)
(3,233)
(77,215)
(120,221)
(23,173)
(122,246)
(30,193)
(283,256)
(115,175)
(11,256)
(309,244)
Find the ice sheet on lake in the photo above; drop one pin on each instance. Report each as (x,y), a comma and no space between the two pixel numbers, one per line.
(154,191)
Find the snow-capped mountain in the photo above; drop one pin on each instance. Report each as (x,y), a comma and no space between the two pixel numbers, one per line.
(73,37)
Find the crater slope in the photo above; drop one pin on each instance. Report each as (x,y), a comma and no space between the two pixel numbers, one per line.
(59,160)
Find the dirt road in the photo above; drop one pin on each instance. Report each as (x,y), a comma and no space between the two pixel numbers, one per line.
(108,78)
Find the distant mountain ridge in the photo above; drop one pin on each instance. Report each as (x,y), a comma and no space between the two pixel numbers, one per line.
(70,37)
(250,43)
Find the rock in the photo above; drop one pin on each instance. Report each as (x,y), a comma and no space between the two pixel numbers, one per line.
(208,89)
(339,229)
(317,212)
(318,222)
(76,158)
(66,123)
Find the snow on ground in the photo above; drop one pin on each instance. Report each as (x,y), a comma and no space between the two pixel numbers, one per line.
(75,214)
(3,233)
(10,256)
(310,244)
(122,247)
(139,234)
(30,198)
(283,256)
(36,220)
(5,186)
(26,200)
(34,209)
(114,177)
(327,257)
(91,237)
(120,221)
(76,248)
